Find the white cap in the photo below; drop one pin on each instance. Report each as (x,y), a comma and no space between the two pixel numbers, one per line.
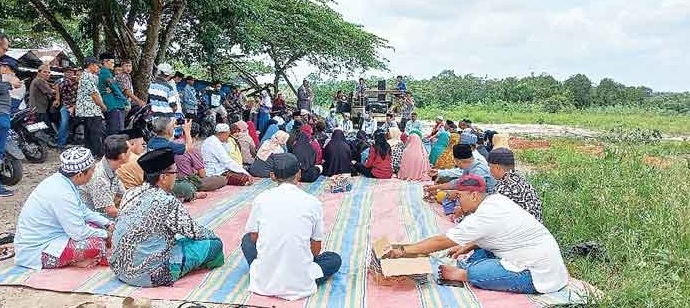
(279,120)
(440,118)
(304,112)
(166,69)
(222,128)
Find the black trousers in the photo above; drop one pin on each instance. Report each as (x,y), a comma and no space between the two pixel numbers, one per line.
(403,124)
(93,130)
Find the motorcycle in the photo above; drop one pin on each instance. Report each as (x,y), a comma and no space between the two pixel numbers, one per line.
(141,118)
(31,135)
(11,170)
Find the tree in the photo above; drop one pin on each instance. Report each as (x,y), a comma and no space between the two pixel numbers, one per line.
(581,87)
(289,31)
(138,30)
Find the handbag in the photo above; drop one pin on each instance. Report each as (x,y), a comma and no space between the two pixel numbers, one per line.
(340,183)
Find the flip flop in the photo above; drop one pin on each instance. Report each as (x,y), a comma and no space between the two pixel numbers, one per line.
(6,238)
(6,252)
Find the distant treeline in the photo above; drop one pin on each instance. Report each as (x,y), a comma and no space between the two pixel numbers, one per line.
(577,92)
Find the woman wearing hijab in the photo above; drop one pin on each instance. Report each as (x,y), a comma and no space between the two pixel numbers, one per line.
(252,133)
(443,136)
(307,130)
(378,163)
(337,155)
(446,160)
(397,147)
(262,165)
(303,150)
(247,146)
(359,145)
(414,165)
(270,131)
(296,131)
(264,111)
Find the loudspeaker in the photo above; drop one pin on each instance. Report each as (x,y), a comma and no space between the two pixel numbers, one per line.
(382,85)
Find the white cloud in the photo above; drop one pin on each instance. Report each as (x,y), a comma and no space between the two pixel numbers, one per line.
(633,41)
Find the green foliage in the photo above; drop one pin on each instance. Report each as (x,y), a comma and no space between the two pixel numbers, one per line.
(634,210)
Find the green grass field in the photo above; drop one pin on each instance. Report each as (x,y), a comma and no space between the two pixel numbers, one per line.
(639,213)
(596,119)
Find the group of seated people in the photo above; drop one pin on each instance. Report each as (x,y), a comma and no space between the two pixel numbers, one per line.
(125,211)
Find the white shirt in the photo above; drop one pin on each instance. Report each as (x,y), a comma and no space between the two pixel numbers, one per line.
(347,126)
(287,219)
(216,158)
(517,238)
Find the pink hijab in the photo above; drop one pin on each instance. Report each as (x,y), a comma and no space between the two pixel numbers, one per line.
(414,164)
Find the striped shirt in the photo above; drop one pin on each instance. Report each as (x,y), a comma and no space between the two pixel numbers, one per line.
(161,94)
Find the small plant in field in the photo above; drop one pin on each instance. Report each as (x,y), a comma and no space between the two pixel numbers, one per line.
(634,135)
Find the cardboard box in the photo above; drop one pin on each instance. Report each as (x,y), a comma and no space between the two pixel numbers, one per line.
(408,265)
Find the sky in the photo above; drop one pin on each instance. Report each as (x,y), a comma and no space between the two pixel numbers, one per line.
(635,42)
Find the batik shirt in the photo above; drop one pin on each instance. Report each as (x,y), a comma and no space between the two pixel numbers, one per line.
(237,103)
(396,155)
(99,193)
(68,92)
(86,106)
(145,233)
(516,187)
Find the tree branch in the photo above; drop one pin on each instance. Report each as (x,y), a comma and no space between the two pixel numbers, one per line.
(142,76)
(178,8)
(59,28)
(289,83)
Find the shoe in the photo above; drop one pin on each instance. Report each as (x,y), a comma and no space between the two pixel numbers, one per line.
(6,192)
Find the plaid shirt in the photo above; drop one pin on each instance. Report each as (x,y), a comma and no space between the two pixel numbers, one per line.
(516,187)
(68,92)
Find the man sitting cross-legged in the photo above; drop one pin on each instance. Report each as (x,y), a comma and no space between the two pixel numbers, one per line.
(156,241)
(284,234)
(511,184)
(513,252)
(218,161)
(55,228)
(103,192)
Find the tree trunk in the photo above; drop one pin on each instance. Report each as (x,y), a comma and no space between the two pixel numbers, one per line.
(59,28)
(178,8)
(142,77)
(287,80)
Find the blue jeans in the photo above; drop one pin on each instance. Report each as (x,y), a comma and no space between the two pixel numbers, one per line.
(485,271)
(4,130)
(328,261)
(63,129)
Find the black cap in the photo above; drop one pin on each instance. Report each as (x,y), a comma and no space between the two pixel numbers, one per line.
(133,133)
(157,160)
(178,75)
(285,165)
(106,56)
(90,60)
(501,156)
(462,151)
(190,77)
(296,113)
(10,62)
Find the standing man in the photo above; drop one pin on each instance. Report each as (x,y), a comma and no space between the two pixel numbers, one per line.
(361,91)
(90,107)
(42,94)
(67,97)
(407,110)
(124,80)
(112,96)
(161,93)
(5,105)
(402,87)
(189,101)
(304,96)
(284,237)
(237,102)
(216,100)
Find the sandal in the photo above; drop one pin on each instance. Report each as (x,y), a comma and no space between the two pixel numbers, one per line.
(6,238)
(6,252)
